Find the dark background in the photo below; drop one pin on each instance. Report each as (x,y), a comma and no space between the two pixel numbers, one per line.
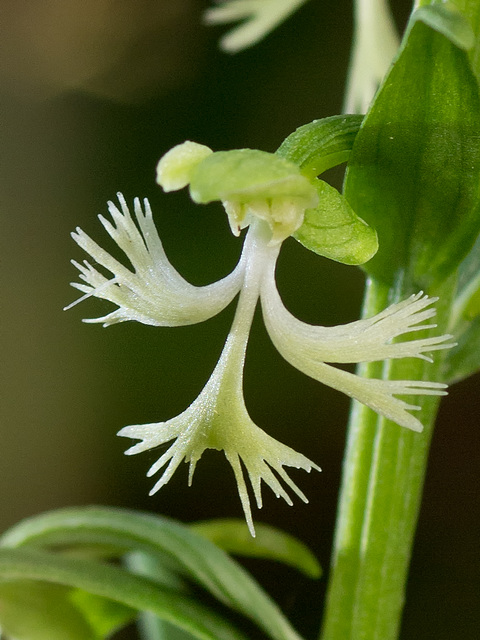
(92,94)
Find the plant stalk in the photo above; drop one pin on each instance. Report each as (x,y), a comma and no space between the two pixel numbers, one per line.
(383,476)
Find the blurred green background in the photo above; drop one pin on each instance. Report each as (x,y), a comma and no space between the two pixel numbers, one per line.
(92,94)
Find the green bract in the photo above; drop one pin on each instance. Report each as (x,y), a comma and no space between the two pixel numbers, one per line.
(415,165)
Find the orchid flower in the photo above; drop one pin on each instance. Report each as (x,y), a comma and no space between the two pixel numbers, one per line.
(257,18)
(269,195)
(375,43)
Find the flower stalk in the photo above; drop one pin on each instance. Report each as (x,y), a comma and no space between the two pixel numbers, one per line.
(383,476)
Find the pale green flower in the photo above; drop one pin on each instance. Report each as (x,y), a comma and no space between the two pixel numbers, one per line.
(268,195)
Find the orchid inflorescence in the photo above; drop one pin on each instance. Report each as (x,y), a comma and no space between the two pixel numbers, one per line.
(273,198)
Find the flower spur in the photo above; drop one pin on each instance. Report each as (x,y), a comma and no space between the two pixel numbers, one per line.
(271,197)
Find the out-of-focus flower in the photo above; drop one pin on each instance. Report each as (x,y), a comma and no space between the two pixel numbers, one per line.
(259,17)
(375,42)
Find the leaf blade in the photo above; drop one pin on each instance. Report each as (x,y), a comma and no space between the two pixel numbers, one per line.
(118,585)
(193,555)
(414,169)
(233,536)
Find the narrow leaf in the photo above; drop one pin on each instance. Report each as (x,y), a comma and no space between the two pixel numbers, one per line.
(232,535)
(42,611)
(192,554)
(333,229)
(103,615)
(464,359)
(118,585)
(151,626)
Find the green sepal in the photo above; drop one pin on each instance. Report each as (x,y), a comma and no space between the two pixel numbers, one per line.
(334,230)
(321,144)
(245,175)
(270,543)
(175,167)
(414,171)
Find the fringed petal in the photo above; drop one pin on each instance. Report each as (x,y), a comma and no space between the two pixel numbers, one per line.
(375,43)
(260,17)
(153,292)
(218,419)
(207,425)
(376,394)
(308,347)
(365,340)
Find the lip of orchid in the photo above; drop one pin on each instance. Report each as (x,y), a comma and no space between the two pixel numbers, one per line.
(218,418)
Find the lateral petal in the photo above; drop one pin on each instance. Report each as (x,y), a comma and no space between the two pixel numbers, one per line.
(307,348)
(365,340)
(153,292)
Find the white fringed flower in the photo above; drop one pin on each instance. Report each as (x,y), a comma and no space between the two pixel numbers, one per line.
(153,292)
(375,42)
(259,18)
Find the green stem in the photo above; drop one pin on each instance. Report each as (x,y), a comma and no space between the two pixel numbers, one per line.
(383,476)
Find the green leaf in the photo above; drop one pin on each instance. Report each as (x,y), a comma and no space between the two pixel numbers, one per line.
(151,626)
(243,175)
(190,553)
(470,11)
(414,171)
(464,359)
(321,144)
(333,229)
(103,615)
(45,611)
(42,611)
(446,18)
(116,584)
(232,535)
